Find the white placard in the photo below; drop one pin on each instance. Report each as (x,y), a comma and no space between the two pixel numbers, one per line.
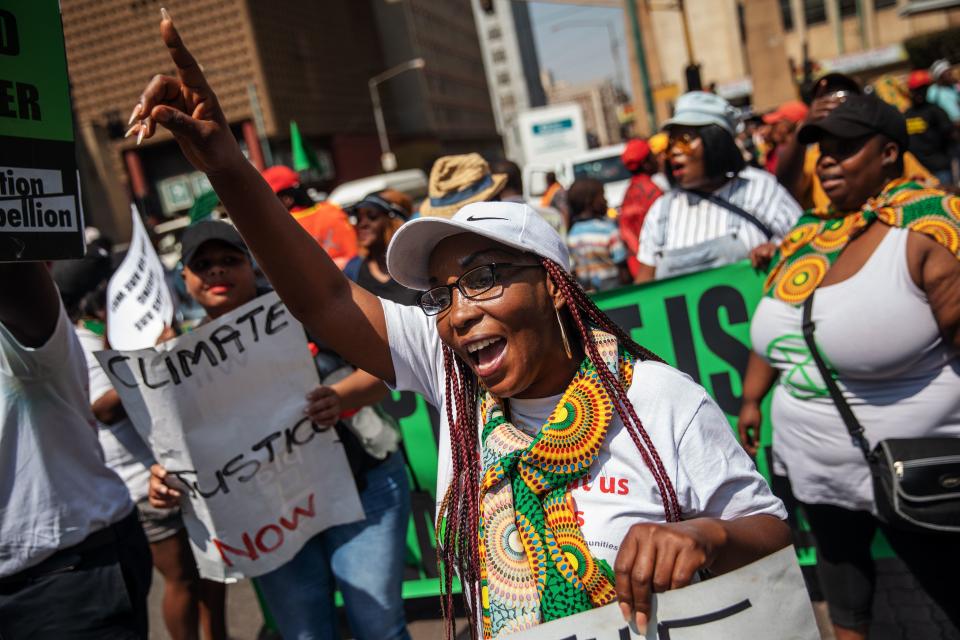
(765,599)
(138,300)
(222,409)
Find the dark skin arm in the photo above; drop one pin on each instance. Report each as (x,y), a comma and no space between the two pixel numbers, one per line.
(29,302)
(645,273)
(108,409)
(756,385)
(327,303)
(935,270)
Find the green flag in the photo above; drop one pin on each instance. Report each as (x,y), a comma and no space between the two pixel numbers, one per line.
(303,156)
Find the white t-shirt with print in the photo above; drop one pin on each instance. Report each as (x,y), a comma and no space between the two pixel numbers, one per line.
(123,449)
(56,489)
(711,473)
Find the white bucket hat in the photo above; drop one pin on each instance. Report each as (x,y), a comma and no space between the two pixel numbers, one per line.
(512,224)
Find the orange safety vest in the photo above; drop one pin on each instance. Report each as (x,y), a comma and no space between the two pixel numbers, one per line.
(547,197)
(329,226)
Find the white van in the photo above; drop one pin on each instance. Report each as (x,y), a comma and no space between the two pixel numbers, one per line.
(603,164)
(412,182)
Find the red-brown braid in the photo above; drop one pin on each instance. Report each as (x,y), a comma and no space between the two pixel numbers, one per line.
(460,506)
(579,304)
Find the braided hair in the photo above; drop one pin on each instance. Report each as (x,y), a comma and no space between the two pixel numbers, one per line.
(459,513)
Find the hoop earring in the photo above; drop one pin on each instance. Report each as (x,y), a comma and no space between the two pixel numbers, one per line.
(563,335)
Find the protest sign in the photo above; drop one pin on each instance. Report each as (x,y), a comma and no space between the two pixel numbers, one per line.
(40,211)
(222,410)
(765,599)
(138,300)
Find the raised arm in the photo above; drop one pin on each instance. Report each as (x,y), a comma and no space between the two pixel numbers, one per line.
(307,280)
(29,303)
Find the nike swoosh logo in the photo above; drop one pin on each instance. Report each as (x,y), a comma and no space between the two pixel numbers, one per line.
(476,219)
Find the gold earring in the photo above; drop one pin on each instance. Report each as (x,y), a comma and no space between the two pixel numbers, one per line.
(563,335)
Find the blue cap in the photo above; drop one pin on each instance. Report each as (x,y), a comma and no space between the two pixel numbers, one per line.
(699,108)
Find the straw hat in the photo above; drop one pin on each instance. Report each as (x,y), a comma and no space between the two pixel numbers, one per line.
(456,181)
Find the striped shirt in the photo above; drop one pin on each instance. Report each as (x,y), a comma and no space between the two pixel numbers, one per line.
(679,219)
(596,251)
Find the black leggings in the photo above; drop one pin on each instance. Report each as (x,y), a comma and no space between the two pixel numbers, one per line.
(847,571)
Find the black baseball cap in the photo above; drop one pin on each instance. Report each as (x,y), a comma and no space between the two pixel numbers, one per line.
(858,116)
(377,202)
(833,82)
(198,234)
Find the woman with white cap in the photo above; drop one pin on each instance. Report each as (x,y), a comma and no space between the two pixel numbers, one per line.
(575,468)
(718,209)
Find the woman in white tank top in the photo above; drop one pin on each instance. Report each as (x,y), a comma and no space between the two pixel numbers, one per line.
(887,314)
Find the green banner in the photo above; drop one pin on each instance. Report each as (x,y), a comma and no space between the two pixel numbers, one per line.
(34,91)
(40,212)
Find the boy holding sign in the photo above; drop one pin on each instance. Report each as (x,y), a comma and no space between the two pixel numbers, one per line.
(219,275)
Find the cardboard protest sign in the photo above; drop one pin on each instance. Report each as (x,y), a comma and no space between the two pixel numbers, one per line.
(138,300)
(222,410)
(765,599)
(40,211)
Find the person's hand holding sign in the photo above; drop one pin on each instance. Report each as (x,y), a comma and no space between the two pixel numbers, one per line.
(654,558)
(323,406)
(160,493)
(188,108)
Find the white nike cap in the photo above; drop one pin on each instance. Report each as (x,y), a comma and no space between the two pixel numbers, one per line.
(512,224)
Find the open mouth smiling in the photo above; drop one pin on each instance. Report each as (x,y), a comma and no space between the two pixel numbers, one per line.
(486,354)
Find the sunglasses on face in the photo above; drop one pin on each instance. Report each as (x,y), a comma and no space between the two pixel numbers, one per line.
(472,284)
(682,141)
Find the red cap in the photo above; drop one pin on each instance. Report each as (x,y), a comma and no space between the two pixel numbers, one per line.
(636,153)
(919,78)
(793,111)
(281,177)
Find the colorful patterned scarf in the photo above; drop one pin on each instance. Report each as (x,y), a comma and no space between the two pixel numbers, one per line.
(534,563)
(818,238)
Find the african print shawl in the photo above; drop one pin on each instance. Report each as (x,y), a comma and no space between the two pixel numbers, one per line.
(818,238)
(534,563)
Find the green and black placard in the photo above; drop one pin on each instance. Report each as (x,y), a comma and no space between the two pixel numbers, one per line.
(40,211)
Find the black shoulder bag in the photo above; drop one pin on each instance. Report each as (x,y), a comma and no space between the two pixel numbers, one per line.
(916,481)
(740,211)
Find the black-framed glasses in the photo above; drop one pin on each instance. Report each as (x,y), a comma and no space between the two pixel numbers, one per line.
(472,284)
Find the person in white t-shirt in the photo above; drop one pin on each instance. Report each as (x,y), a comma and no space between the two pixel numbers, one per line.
(73,559)
(591,471)
(189,603)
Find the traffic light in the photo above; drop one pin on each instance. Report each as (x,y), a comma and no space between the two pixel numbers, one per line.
(692,73)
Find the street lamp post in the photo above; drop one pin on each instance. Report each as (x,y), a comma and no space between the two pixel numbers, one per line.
(388,161)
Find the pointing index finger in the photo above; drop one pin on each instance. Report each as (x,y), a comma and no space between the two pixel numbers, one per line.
(187,67)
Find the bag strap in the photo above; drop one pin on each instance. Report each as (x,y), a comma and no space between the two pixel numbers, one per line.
(729,206)
(846,413)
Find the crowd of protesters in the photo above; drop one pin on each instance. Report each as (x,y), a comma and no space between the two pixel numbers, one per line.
(476,299)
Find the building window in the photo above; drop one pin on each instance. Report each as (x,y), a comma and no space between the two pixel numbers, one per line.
(503,78)
(814,11)
(507,101)
(884,4)
(848,8)
(786,13)
(499,55)
(494,33)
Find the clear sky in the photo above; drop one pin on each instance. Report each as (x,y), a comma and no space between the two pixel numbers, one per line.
(574,43)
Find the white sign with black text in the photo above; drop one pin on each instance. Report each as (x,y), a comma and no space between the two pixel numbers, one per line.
(222,410)
(765,599)
(139,304)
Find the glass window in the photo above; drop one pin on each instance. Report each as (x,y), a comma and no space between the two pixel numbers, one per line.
(499,55)
(884,4)
(494,33)
(848,8)
(786,13)
(603,169)
(814,11)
